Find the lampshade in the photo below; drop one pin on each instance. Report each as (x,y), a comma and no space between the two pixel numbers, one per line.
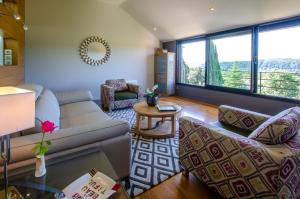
(17,110)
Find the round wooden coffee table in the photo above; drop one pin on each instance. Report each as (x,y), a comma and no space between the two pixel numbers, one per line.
(166,121)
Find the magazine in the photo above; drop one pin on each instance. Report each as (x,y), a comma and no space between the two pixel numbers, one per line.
(166,107)
(98,186)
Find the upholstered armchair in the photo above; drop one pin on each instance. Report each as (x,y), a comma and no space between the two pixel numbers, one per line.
(117,94)
(222,156)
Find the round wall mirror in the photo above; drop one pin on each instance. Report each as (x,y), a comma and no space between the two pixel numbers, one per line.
(94,51)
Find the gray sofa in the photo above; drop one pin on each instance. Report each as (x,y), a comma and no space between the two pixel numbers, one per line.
(82,125)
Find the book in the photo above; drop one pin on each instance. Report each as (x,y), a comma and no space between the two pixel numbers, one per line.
(13,193)
(95,186)
(166,107)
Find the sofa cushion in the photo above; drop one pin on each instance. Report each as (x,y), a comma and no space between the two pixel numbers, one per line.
(117,84)
(81,113)
(47,108)
(37,89)
(78,108)
(84,119)
(241,118)
(69,138)
(124,95)
(279,128)
(232,128)
(68,97)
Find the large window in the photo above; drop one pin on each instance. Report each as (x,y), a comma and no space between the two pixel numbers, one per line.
(279,62)
(230,60)
(261,60)
(192,64)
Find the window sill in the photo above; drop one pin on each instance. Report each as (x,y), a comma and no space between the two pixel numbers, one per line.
(241,92)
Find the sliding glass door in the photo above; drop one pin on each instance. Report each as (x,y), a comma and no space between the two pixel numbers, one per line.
(279,62)
(192,65)
(260,60)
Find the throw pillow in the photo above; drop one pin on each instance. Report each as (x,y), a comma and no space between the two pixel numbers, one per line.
(117,84)
(279,128)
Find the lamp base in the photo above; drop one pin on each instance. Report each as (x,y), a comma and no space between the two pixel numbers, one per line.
(12,193)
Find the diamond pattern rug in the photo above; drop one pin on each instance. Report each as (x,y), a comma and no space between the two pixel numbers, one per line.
(153,160)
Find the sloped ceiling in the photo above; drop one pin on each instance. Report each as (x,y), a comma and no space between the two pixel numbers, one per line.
(177,19)
(113,2)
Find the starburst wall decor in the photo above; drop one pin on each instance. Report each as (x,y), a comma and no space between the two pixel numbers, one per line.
(84,51)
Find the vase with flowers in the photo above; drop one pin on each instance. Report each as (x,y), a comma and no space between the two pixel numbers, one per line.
(152,95)
(41,148)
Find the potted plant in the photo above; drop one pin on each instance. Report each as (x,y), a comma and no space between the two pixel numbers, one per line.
(152,95)
(41,148)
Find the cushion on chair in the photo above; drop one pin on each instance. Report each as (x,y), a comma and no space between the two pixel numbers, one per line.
(124,95)
(117,84)
(278,129)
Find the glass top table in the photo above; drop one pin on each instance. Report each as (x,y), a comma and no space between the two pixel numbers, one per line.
(60,173)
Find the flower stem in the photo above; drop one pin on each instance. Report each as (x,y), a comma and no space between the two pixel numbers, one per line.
(42,144)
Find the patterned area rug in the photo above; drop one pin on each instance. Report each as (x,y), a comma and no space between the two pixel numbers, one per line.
(153,160)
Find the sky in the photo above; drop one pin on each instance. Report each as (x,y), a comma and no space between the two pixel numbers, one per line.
(281,43)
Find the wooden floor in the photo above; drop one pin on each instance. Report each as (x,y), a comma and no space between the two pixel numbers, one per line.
(179,186)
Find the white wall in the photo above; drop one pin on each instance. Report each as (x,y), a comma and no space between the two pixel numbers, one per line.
(56,29)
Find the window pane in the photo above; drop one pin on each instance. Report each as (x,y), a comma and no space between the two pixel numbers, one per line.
(279,62)
(192,66)
(230,61)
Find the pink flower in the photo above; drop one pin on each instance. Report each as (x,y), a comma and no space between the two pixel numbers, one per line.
(116,187)
(48,127)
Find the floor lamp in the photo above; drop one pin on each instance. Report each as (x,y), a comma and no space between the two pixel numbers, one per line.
(17,112)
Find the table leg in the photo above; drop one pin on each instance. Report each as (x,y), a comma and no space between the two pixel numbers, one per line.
(173,125)
(149,122)
(138,118)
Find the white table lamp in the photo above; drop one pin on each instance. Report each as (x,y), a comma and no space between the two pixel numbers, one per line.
(17,113)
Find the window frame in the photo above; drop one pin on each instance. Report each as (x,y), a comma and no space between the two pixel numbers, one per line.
(254,29)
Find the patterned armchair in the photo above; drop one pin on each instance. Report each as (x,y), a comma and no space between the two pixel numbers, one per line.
(119,94)
(234,165)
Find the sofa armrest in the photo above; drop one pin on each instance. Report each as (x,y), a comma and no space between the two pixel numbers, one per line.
(213,154)
(136,89)
(241,118)
(107,96)
(67,97)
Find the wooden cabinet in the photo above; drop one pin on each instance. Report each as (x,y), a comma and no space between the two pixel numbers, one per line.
(13,35)
(164,73)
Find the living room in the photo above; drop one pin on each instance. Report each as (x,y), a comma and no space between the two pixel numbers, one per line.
(150,98)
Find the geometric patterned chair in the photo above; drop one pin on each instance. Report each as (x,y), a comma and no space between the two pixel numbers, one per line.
(234,165)
(119,94)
